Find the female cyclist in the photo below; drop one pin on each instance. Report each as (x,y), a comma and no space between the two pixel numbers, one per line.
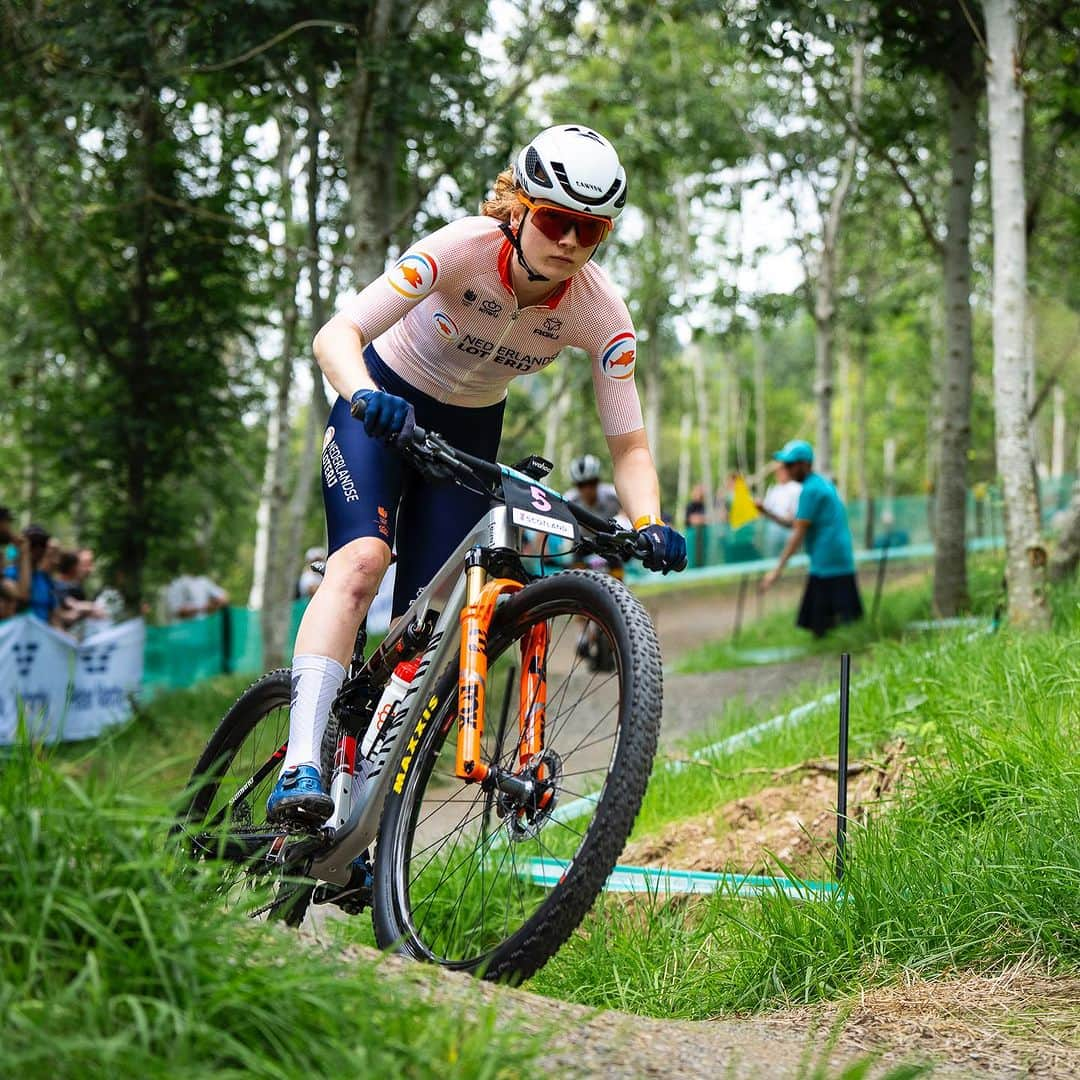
(436,340)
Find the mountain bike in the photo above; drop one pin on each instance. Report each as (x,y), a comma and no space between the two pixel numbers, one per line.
(506,762)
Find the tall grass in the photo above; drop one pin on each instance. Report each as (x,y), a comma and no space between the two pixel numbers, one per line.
(977,864)
(117,959)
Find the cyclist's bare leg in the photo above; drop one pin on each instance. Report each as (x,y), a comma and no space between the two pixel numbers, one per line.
(324,642)
(333,616)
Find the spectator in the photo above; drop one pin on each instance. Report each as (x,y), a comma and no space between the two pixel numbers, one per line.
(832,593)
(190,595)
(9,550)
(695,508)
(309,579)
(73,607)
(9,598)
(33,573)
(779,506)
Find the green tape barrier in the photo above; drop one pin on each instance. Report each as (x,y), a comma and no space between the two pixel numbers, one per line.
(182,654)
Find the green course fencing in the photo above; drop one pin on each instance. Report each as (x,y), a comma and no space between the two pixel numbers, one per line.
(185,653)
(231,640)
(899,521)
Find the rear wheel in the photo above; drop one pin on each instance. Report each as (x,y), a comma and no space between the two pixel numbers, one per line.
(474,879)
(224,816)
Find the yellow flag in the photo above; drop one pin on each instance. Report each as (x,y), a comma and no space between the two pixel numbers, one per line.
(743,510)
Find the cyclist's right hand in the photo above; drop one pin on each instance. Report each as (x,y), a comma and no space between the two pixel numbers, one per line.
(385,416)
(664,548)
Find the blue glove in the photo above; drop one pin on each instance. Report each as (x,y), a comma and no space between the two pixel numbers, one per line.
(385,416)
(667,548)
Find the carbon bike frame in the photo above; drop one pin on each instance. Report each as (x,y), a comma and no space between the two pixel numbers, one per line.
(445,597)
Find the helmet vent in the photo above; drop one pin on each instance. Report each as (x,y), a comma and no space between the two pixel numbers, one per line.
(534,168)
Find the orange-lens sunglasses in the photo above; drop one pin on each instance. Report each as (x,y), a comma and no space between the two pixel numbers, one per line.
(554,222)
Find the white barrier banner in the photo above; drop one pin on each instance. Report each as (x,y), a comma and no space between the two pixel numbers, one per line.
(9,634)
(66,690)
(108,668)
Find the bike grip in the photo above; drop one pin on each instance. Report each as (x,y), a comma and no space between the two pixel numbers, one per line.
(357,407)
(642,547)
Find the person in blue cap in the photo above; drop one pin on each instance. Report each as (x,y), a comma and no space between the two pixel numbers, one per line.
(832,593)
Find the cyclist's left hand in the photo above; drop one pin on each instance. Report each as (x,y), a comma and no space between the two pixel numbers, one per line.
(667,548)
(385,416)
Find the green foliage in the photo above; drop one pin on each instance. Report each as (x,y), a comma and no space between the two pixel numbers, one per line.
(116,959)
(147,265)
(134,267)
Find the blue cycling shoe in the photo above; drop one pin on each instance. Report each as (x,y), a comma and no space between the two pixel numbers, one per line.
(299,797)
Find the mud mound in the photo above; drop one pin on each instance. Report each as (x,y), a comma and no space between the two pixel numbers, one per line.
(793,822)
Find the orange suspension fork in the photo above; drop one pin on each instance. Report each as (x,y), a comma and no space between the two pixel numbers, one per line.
(533,706)
(480,598)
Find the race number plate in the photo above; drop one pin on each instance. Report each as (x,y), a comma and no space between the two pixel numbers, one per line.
(535,507)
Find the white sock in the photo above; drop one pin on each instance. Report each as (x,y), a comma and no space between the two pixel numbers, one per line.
(315,682)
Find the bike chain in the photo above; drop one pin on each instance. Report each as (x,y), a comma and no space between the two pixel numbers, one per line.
(277,902)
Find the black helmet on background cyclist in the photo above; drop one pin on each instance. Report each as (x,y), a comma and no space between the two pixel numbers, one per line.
(585,469)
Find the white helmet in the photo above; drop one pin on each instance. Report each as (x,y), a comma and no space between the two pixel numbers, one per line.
(585,469)
(575,167)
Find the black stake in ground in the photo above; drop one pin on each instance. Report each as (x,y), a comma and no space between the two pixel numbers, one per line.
(743,582)
(841,772)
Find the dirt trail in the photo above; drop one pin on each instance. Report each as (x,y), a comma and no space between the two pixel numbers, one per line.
(1018,1024)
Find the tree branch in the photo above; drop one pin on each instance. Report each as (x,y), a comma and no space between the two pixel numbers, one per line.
(305,24)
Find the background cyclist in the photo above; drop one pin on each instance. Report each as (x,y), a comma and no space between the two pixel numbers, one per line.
(436,340)
(600,498)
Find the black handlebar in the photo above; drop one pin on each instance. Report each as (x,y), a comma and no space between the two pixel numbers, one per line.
(427,449)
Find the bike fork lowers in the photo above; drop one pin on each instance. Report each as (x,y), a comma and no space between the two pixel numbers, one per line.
(481,596)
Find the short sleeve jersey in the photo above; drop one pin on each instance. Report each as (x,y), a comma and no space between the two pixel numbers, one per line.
(828,540)
(446,320)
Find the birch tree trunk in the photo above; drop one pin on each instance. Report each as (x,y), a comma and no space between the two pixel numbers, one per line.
(306,468)
(1025,556)
(825,285)
(761,445)
(862,442)
(694,355)
(844,470)
(950,562)
(1057,435)
(272,514)
(1067,549)
(682,491)
(723,413)
(364,165)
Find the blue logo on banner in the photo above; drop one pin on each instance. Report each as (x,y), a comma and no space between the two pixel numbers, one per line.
(95,658)
(24,657)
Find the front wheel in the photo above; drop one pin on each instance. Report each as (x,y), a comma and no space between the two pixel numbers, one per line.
(467,876)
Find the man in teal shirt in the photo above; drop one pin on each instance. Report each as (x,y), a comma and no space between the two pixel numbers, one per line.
(832,593)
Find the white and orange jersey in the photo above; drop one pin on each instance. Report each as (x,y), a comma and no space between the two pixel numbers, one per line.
(446,320)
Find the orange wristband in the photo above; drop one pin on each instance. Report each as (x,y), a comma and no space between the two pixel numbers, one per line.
(646,520)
